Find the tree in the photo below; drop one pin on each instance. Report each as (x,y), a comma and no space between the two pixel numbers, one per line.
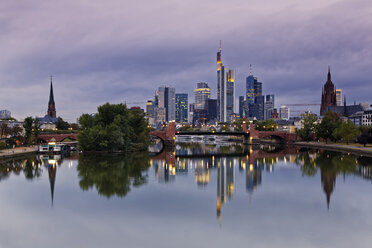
(366,136)
(37,125)
(309,123)
(266,125)
(5,130)
(28,126)
(113,128)
(329,123)
(347,131)
(61,124)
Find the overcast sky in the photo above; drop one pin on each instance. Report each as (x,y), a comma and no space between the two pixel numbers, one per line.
(121,51)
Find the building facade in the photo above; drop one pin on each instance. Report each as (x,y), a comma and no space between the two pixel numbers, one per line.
(182,104)
(202,94)
(167,100)
(4,114)
(225,90)
(269,106)
(328,94)
(339,97)
(284,113)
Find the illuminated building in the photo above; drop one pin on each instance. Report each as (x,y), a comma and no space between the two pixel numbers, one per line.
(167,101)
(269,106)
(202,94)
(284,113)
(339,97)
(150,109)
(225,90)
(182,108)
(254,98)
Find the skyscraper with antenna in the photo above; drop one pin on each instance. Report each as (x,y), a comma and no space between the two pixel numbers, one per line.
(225,90)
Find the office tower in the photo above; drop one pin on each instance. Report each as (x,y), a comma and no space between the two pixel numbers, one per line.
(182,108)
(284,113)
(225,90)
(241,106)
(269,106)
(191,112)
(250,89)
(150,109)
(202,94)
(339,97)
(212,109)
(259,107)
(230,94)
(328,94)
(167,101)
(5,114)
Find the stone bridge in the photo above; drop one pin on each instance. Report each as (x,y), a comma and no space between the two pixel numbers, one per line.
(57,137)
(249,136)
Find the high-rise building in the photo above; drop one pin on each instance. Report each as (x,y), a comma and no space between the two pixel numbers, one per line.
(241,106)
(230,94)
(212,109)
(5,114)
(191,112)
(225,90)
(339,97)
(250,89)
(328,94)
(269,106)
(182,108)
(284,113)
(202,94)
(150,109)
(167,101)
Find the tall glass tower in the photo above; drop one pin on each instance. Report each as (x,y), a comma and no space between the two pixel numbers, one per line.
(225,90)
(182,108)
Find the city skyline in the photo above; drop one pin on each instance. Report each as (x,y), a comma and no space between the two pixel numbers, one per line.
(114,53)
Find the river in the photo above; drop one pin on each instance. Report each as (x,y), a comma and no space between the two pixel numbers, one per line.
(196,195)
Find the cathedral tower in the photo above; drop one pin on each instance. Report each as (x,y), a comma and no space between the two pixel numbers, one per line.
(51,105)
(328,94)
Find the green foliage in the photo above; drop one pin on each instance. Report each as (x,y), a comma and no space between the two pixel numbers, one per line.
(309,124)
(266,125)
(186,128)
(28,126)
(2,146)
(329,123)
(225,128)
(61,124)
(5,130)
(347,131)
(113,128)
(238,125)
(112,174)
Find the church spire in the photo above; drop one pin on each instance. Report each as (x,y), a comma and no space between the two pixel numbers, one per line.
(329,73)
(51,105)
(51,95)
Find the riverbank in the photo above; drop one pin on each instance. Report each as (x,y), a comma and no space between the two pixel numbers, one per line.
(360,150)
(18,151)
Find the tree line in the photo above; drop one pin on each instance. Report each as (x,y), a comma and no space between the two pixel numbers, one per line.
(333,128)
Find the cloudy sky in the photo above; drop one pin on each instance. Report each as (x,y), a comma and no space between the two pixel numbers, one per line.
(122,50)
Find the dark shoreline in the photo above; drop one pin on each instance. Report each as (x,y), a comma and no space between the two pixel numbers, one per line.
(338,148)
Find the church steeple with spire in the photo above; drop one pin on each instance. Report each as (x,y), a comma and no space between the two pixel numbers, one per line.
(51,105)
(328,94)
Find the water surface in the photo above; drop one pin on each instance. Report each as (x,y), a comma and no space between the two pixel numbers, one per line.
(195,196)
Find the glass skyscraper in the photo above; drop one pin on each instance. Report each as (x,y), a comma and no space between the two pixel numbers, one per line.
(225,90)
(182,108)
(167,101)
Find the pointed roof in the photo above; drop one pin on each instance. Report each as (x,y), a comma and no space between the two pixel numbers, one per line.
(51,95)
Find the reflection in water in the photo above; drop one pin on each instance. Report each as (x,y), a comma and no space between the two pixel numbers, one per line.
(115,175)
(112,174)
(253,161)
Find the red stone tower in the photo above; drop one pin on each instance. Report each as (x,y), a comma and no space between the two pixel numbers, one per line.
(328,94)
(51,105)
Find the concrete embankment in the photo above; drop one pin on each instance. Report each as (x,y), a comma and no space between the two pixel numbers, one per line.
(18,151)
(365,151)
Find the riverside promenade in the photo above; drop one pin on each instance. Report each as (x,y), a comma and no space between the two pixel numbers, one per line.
(351,148)
(18,151)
